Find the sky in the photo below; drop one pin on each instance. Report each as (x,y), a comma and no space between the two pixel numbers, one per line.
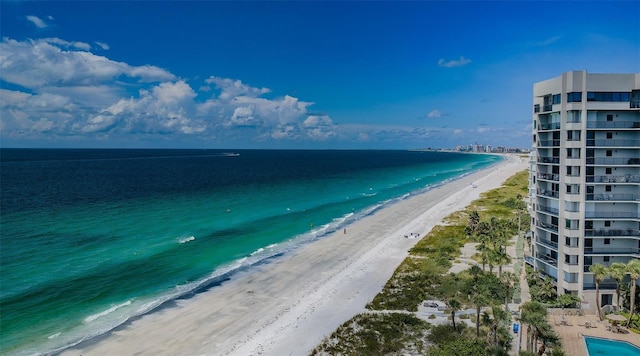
(295,75)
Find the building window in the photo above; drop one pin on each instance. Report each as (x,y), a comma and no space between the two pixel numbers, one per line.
(605,258)
(608,96)
(607,223)
(556,99)
(609,153)
(607,241)
(609,135)
(608,170)
(609,117)
(574,97)
(607,188)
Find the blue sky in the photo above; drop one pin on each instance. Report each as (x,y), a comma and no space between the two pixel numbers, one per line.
(207,74)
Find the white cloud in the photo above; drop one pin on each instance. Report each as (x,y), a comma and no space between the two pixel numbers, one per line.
(231,88)
(38,22)
(454,63)
(102,45)
(54,62)
(434,114)
(70,92)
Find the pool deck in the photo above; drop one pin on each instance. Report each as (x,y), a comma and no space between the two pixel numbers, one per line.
(574,329)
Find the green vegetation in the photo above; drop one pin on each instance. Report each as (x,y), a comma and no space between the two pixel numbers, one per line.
(534,315)
(627,292)
(377,334)
(491,221)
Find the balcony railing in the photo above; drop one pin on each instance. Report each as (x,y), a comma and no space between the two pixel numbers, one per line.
(612,232)
(611,215)
(549,159)
(548,193)
(613,124)
(628,178)
(612,251)
(549,143)
(613,143)
(551,126)
(602,286)
(548,259)
(544,225)
(548,209)
(548,243)
(547,176)
(614,161)
(615,197)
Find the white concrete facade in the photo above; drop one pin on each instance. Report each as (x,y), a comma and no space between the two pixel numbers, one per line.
(585,178)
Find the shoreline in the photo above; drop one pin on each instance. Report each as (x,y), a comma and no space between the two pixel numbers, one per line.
(288,305)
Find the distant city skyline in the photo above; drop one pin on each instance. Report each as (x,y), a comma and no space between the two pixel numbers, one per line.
(359,75)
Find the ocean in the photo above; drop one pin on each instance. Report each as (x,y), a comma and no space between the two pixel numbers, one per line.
(92,238)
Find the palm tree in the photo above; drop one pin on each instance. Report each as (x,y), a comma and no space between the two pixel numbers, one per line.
(474,220)
(477,293)
(509,280)
(617,271)
(633,268)
(599,273)
(534,314)
(454,305)
(502,258)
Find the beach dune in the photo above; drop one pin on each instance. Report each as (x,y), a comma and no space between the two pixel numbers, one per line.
(287,306)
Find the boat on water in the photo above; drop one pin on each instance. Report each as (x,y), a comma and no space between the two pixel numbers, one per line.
(231,154)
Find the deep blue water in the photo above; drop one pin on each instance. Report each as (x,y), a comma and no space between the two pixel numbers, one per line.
(92,238)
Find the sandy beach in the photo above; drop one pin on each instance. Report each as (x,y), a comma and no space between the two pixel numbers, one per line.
(288,306)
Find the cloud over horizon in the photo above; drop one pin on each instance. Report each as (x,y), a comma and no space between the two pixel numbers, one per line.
(61,89)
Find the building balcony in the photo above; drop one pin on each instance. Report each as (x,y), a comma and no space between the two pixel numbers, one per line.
(610,251)
(551,126)
(549,143)
(547,243)
(548,209)
(613,161)
(603,286)
(546,226)
(553,160)
(548,193)
(627,178)
(613,143)
(547,259)
(612,197)
(613,124)
(611,215)
(529,260)
(612,233)
(547,176)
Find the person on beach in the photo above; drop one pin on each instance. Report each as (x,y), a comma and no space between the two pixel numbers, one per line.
(345,231)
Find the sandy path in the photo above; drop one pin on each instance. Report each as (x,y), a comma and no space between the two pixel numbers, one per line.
(288,306)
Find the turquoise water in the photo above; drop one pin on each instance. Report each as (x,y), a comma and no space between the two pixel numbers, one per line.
(597,346)
(91,238)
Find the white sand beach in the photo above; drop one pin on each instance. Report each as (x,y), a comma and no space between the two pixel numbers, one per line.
(288,306)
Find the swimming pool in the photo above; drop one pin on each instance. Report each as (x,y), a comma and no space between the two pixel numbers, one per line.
(597,346)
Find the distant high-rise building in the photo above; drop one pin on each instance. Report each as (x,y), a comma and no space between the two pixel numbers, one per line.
(585,179)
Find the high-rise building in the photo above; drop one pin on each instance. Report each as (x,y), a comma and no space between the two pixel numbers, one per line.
(585,179)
